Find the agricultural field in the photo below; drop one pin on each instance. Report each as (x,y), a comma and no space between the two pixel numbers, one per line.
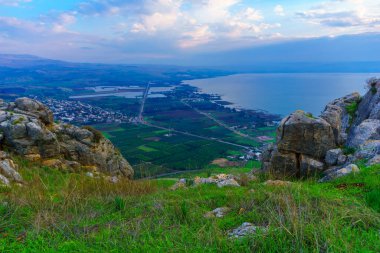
(153,151)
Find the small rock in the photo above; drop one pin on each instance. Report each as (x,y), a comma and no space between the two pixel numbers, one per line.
(310,166)
(179,185)
(8,169)
(33,157)
(218,212)
(341,160)
(53,163)
(89,174)
(374,160)
(199,180)
(339,172)
(277,183)
(246,229)
(332,156)
(228,182)
(4,180)
(114,179)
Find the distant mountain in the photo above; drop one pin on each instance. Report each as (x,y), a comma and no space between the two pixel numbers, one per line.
(24,61)
(32,70)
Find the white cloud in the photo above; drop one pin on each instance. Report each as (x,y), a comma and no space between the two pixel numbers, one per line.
(345,15)
(279,10)
(199,36)
(14,3)
(63,20)
(201,22)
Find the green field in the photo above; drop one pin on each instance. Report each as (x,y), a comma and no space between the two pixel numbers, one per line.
(153,151)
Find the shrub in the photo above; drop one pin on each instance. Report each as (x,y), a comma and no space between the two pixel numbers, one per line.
(310,115)
(371,84)
(119,203)
(243,179)
(348,150)
(18,121)
(352,108)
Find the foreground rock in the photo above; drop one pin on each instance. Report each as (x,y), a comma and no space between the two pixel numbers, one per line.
(246,229)
(339,172)
(221,180)
(8,170)
(179,185)
(28,129)
(218,212)
(308,145)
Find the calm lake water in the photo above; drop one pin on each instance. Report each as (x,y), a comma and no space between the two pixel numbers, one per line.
(283,93)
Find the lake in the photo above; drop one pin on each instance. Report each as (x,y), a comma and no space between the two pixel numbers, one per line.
(283,93)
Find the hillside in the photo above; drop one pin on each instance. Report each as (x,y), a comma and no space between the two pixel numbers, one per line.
(63,212)
(66,189)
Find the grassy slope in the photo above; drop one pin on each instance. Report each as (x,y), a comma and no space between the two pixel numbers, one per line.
(58,212)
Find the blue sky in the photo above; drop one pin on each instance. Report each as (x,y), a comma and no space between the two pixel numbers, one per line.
(164,31)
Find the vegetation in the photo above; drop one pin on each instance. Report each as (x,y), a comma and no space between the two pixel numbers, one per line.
(18,121)
(310,115)
(62,212)
(153,151)
(348,150)
(371,83)
(352,108)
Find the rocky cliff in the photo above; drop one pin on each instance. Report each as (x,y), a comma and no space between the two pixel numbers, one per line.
(346,131)
(27,129)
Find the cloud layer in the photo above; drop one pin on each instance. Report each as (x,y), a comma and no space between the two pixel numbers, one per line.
(140,30)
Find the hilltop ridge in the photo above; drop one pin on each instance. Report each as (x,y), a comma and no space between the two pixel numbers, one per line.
(28,129)
(347,131)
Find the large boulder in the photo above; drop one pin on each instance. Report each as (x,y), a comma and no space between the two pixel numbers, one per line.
(34,107)
(337,116)
(308,145)
(28,129)
(303,134)
(367,130)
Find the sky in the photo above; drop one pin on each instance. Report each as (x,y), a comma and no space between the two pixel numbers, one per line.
(171,31)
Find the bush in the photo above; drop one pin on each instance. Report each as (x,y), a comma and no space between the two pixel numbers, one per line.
(119,203)
(351,110)
(349,150)
(371,84)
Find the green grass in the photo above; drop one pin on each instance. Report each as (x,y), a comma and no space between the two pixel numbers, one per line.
(147,149)
(352,108)
(147,145)
(61,212)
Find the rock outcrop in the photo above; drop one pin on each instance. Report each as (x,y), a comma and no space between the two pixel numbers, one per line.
(8,170)
(27,128)
(347,130)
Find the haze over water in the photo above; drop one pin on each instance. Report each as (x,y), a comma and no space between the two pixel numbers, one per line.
(283,93)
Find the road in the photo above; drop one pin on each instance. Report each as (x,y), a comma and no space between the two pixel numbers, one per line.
(171,174)
(145,96)
(195,135)
(220,123)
